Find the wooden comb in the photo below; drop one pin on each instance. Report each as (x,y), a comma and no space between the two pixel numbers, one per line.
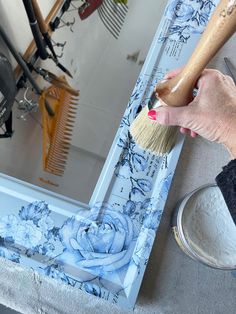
(57,130)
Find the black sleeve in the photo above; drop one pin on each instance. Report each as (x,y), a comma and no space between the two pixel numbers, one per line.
(226,181)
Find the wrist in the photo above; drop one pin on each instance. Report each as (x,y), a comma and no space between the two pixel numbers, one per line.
(230,138)
(232,151)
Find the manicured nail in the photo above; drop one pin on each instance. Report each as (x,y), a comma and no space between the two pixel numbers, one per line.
(152,114)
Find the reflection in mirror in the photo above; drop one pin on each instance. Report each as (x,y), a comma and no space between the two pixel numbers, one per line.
(104,69)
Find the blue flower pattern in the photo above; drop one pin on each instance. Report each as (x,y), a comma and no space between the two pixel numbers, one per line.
(189,17)
(32,227)
(103,251)
(5,253)
(99,241)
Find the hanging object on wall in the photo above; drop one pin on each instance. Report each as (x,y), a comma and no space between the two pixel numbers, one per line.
(57,81)
(57,130)
(88,7)
(26,106)
(24,67)
(113,16)
(44,30)
(7,95)
(65,8)
(35,29)
(40,31)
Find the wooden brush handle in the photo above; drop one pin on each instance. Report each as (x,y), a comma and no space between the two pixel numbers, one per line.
(178,90)
(37,11)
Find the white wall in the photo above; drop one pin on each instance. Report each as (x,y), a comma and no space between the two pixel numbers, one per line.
(105,79)
(104,75)
(14,20)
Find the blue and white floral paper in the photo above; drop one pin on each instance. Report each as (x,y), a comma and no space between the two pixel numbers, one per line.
(188,17)
(104,249)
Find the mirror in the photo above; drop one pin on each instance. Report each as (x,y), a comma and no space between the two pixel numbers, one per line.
(104,69)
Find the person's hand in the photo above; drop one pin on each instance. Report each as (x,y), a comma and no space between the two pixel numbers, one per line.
(212,113)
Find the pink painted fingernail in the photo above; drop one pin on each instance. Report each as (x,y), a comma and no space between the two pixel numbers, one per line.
(152,114)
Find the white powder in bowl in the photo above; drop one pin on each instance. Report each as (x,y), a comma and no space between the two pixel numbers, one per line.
(209,228)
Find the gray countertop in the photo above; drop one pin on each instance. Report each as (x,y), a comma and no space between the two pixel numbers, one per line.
(173,282)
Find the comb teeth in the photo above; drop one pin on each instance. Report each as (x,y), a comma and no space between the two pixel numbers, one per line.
(58,130)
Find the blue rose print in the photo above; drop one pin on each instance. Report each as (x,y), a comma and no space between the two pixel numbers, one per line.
(145,212)
(12,256)
(8,226)
(139,161)
(56,272)
(165,185)
(133,105)
(139,188)
(34,211)
(131,161)
(188,17)
(92,289)
(152,219)
(129,208)
(32,231)
(27,234)
(46,224)
(181,11)
(38,214)
(101,241)
(143,246)
(144,184)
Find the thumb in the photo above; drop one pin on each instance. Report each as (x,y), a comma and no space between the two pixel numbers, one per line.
(180,116)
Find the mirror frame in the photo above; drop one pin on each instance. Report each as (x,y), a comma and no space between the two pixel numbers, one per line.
(130,195)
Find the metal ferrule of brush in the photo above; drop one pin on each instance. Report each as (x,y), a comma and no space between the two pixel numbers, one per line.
(153,102)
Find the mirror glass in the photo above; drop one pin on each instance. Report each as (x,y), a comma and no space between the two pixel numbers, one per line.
(104,70)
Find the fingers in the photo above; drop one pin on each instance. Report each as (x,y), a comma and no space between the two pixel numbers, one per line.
(210,76)
(188,132)
(184,131)
(181,116)
(230,80)
(203,79)
(172,73)
(206,76)
(193,134)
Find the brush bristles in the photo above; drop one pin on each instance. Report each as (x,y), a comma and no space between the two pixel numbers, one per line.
(151,136)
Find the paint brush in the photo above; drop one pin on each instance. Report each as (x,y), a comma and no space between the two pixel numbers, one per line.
(178,91)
